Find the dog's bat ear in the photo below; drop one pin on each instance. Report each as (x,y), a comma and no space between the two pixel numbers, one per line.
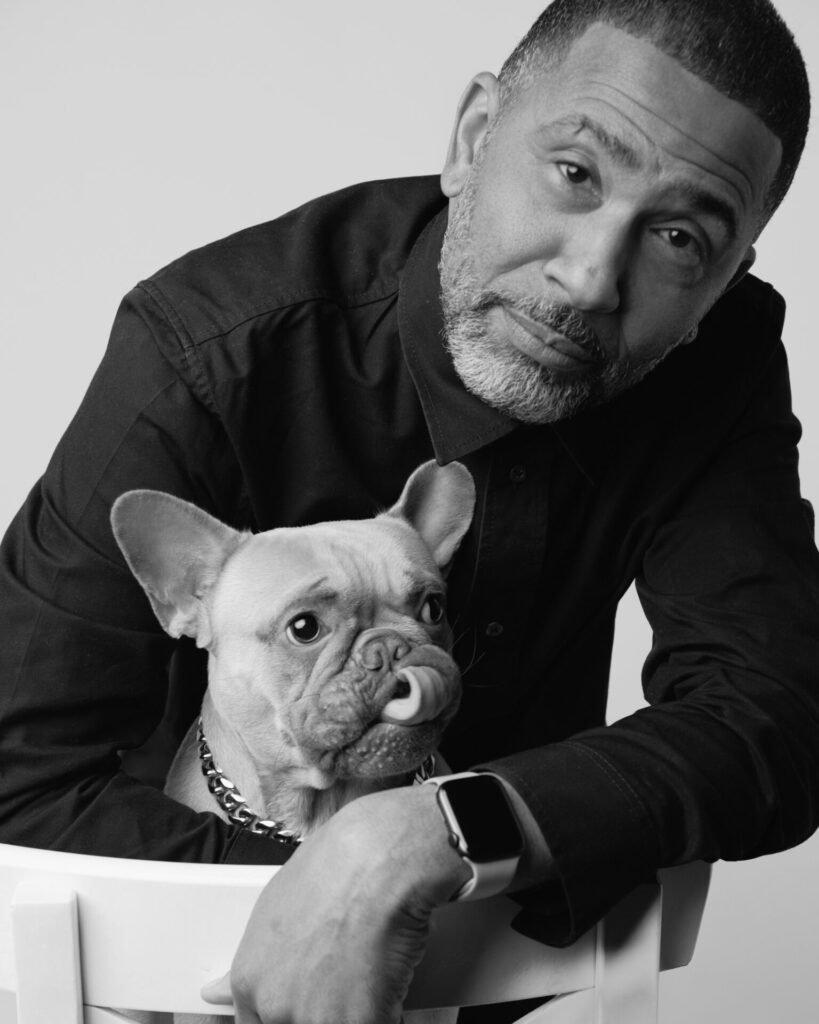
(176,551)
(438,501)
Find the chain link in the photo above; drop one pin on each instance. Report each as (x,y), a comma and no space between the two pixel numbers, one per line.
(233,803)
(235,806)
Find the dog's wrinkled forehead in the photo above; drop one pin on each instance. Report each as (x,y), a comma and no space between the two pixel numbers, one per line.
(343,562)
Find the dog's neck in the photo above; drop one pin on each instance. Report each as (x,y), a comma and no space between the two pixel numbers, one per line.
(283,790)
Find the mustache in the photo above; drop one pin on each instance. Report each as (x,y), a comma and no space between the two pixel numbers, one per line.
(556,316)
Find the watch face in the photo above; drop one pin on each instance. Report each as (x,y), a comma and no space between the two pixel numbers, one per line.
(486,820)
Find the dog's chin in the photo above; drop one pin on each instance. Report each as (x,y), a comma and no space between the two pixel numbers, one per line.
(385,749)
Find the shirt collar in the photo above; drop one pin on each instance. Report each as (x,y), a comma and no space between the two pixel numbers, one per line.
(458,421)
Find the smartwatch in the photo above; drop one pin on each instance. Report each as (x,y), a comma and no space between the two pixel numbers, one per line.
(483,829)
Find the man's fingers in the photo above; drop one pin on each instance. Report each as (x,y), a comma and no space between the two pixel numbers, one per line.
(346,919)
(218,992)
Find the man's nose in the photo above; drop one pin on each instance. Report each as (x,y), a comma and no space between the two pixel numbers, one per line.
(588,267)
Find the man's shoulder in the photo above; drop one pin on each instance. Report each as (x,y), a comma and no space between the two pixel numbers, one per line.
(739,341)
(752,304)
(721,369)
(347,247)
(736,341)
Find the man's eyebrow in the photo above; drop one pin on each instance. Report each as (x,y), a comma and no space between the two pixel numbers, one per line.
(700,199)
(712,205)
(616,148)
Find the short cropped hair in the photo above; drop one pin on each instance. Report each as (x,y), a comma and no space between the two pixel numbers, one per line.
(740,47)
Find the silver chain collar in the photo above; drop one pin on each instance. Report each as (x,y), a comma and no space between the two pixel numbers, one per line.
(233,803)
(235,806)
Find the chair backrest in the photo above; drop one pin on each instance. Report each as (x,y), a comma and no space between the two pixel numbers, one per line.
(80,931)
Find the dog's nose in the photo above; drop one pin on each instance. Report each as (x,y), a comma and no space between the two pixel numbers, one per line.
(381,651)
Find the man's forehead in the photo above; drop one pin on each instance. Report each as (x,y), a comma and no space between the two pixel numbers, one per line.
(619,82)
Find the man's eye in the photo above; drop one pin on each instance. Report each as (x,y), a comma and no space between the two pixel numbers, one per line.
(574,173)
(683,244)
(679,239)
(681,247)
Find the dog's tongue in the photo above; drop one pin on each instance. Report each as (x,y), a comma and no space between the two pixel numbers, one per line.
(425,700)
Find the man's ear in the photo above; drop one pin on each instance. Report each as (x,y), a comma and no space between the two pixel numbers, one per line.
(476,110)
(748,261)
(176,551)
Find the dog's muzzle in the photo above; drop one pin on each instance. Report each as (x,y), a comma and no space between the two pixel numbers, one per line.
(422,689)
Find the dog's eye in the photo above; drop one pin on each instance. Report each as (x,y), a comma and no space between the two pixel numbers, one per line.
(432,610)
(305,628)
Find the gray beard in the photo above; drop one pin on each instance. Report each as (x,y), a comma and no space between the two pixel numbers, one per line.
(492,368)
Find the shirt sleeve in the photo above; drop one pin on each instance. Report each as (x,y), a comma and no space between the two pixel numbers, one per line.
(724,763)
(83,663)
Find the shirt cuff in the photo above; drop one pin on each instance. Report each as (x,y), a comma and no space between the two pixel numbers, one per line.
(600,836)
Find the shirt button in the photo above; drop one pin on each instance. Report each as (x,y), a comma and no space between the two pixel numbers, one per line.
(517,474)
(494,629)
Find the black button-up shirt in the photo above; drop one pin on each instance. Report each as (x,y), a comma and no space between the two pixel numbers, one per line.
(296,372)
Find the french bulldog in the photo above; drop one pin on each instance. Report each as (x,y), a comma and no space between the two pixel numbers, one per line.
(328,667)
(329,673)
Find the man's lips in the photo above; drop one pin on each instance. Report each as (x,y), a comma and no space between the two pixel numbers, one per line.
(549,347)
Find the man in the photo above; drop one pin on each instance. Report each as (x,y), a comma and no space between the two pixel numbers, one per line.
(604,197)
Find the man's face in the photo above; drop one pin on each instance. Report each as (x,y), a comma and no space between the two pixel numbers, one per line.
(594,223)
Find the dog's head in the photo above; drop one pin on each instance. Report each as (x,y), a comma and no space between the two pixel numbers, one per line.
(328,644)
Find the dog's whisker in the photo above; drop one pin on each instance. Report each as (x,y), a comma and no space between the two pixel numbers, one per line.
(475,661)
(457,637)
(473,658)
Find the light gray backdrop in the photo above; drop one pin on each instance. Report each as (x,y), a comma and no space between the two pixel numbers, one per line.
(134,130)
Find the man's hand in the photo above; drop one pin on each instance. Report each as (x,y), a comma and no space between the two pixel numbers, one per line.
(337,932)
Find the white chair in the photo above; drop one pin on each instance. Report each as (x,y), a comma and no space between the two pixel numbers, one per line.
(80,933)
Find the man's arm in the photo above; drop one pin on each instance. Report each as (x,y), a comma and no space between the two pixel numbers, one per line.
(83,663)
(725,761)
(353,907)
